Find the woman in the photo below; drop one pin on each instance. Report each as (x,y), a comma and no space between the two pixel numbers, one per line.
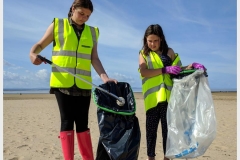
(75,49)
(156,63)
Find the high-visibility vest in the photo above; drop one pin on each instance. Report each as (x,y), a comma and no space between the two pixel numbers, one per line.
(72,54)
(158,88)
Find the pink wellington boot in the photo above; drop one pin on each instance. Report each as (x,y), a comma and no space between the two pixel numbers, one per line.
(67,141)
(85,145)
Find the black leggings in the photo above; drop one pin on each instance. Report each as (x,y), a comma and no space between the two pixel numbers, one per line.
(73,109)
(153,116)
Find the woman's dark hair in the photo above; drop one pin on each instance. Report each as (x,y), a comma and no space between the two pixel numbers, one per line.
(81,3)
(155,29)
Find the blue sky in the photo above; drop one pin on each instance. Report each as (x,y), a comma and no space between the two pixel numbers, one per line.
(200,31)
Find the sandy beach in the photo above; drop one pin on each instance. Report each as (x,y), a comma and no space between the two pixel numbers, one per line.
(31,126)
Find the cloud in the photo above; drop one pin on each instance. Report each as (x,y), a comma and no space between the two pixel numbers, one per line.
(124,78)
(14,80)
(10,66)
(25,79)
(42,75)
(7,64)
(9,76)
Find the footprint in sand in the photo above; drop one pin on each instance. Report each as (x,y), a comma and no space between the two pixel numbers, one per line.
(17,158)
(6,151)
(22,146)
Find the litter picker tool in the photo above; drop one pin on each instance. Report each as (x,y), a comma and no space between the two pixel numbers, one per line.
(120,100)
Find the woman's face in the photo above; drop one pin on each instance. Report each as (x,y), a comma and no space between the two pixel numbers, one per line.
(80,15)
(153,42)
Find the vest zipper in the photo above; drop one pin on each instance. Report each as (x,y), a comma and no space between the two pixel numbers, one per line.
(78,34)
(76,61)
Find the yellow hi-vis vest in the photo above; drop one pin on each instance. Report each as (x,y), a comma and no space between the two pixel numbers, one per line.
(158,88)
(72,55)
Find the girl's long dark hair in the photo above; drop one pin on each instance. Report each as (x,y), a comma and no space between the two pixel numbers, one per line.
(81,3)
(155,29)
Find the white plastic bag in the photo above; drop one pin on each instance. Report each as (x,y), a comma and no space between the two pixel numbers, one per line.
(190,117)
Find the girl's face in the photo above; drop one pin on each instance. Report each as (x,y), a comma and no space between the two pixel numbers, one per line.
(153,42)
(80,15)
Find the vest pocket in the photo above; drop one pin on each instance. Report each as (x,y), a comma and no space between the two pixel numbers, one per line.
(85,46)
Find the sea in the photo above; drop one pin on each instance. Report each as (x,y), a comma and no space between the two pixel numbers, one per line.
(46,90)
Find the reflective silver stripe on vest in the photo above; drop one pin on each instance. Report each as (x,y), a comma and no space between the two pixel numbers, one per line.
(56,69)
(167,87)
(83,72)
(144,80)
(84,56)
(179,63)
(94,37)
(71,54)
(61,32)
(64,53)
(72,70)
(157,88)
(150,65)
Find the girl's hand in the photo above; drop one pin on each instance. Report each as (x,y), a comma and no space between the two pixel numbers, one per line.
(111,80)
(34,59)
(198,66)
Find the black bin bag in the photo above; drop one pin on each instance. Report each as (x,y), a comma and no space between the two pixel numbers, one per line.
(118,125)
